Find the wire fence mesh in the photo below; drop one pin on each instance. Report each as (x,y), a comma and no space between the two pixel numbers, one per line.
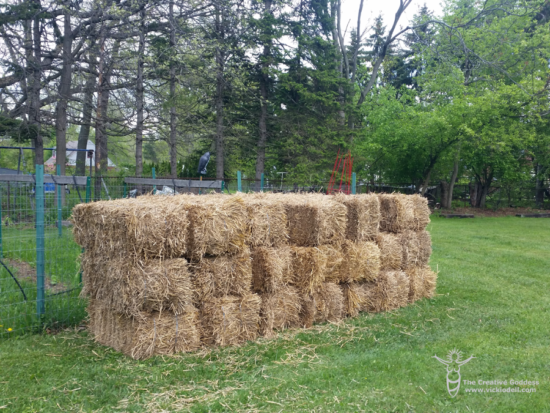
(40,279)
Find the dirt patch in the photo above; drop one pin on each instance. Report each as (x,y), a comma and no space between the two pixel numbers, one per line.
(23,271)
(482,212)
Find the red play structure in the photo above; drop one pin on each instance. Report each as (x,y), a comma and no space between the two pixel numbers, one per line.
(342,167)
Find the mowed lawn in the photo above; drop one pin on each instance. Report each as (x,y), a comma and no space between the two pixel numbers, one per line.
(492,302)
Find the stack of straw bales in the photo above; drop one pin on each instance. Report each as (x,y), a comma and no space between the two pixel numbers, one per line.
(171,274)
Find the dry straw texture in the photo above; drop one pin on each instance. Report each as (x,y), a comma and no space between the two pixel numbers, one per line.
(131,288)
(231,320)
(354,299)
(403,285)
(266,221)
(329,303)
(307,311)
(411,249)
(361,261)
(391,251)
(424,247)
(145,336)
(271,269)
(334,259)
(218,225)
(314,219)
(430,280)
(396,212)
(222,275)
(280,310)
(308,268)
(416,283)
(421,212)
(386,294)
(363,216)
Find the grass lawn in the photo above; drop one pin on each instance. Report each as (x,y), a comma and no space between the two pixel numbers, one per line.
(493,302)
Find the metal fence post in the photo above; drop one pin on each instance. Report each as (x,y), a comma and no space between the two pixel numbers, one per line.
(88,189)
(124,189)
(1,245)
(262,183)
(154,177)
(221,192)
(353,183)
(239,183)
(59,205)
(39,190)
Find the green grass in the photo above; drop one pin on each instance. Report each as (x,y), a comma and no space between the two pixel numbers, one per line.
(492,302)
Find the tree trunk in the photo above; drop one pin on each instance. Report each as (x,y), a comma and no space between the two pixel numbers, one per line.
(539,186)
(139,99)
(34,118)
(173,119)
(447,188)
(64,96)
(220,87)
(264,97)
(480,190)
(87,108)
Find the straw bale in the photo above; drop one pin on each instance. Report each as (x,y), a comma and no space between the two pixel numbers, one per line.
(385,295)
(424,247)
(368,296)
(361,261)
(131,288)
(363,213)
(314,219)
(396,212)
(166,333)
(411,249)
(308,268)
(430,280)
(308,310)
(230,320)
(329,303)
(280,310)
(266,220)
(271,269)
(391,252)
(222,275)
(416,285)
(109,328)
(403,287)
(217,225)
(354,298)
(334,259)
(421,212)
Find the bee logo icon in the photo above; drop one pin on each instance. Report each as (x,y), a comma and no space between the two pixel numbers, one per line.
(453,363)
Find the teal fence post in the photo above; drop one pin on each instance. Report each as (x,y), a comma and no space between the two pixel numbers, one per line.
(353,183)
(59,204)
(124,189)
(40,304)
(262,183)
(221,192)
(1,245)
(154,177)
(88,189)
(239,184)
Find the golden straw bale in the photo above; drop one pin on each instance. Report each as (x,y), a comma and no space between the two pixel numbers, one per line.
(403,286)
(308,268)
(385,294)
(109,328)
(416,285)
(223,275)
(231,320)
(363,213)
(354,298)
(421,212)
(314,219)
(334,259)
(396,212)
(368,296)
(391,252)
(132,288)
(424,247)
(217,225)
(361,261)
(329,303)
(266,220)
(271,268)
(308,310)
(430,280)
(280,310)
(167,333)
(411,249)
